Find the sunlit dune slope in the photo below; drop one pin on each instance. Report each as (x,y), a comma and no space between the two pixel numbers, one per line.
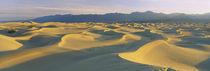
(78,41)
(8,43)
(166,53)
(55,46)
(161,53)
(72,37)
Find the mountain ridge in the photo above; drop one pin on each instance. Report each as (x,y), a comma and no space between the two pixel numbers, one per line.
(147,16)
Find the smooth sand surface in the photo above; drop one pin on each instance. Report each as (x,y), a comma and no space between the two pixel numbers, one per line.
(54,46)
(8,43)
(161,53)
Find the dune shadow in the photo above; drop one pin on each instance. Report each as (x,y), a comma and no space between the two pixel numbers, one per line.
(41,41)
(148,34)
(194,42)
(108,35)
(20,32)
(204,66)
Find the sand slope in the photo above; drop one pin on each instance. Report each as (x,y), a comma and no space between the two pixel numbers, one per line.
(55,46)
(161,53)
(78,41)
(8,43)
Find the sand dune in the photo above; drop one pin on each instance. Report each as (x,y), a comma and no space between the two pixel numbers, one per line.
(8,43)
(161,53)
(55,46)
(78,41)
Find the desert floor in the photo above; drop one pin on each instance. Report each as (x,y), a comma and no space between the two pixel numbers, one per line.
(54,46)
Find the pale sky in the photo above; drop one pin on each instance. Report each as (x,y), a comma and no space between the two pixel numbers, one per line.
(24,9)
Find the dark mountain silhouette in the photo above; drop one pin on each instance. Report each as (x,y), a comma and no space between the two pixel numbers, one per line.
(147,16)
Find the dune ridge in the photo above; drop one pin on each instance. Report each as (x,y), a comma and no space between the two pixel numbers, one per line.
(162,53)
(166,53)
(78,41)
(74,38)
(154,46)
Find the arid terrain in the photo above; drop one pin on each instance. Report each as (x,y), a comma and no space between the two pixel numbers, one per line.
(54,46)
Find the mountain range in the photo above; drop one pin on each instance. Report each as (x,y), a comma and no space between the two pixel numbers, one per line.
(142,17)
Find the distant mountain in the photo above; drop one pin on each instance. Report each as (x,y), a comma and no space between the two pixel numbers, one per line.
(147,16)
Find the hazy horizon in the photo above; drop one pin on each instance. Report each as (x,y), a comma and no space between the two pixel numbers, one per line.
(25,9)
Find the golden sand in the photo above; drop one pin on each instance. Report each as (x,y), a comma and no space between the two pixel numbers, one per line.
(36,40)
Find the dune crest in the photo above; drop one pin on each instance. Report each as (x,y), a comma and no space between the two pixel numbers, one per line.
(79,41)
(77,36)
(161,53)
(93,46)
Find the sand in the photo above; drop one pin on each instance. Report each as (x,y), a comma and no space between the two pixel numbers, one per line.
(55,46)
(161,53)
(8,43)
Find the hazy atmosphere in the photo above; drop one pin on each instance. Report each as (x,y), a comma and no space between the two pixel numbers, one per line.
(25,9)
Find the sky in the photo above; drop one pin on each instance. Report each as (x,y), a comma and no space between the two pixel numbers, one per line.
(25,9)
